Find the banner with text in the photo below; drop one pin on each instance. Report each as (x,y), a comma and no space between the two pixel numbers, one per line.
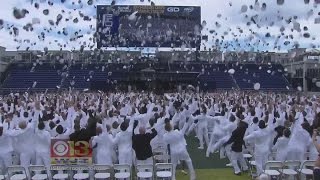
(148,26)
(70,152)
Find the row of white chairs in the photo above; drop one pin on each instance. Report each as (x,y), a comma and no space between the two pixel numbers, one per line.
(279,169)
(79,172)
(289,168)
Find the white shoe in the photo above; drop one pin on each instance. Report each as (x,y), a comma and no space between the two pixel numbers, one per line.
(184,172)
(200,147)
(229,165)
(214,149)
(207,154)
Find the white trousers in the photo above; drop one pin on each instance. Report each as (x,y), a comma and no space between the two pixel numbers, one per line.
(281,156)
(182,156)
(5,161)
(295,155)
(125,157)
(25,160)
(213,147)
(261,158)
(238,157)
(228,151)
(104,158)
(203,133)
(43,158)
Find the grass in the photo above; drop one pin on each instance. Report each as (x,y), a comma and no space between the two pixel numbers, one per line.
(212,168)
(213,174)
(199,159)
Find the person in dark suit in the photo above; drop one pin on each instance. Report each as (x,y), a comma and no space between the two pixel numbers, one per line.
(83,134)
(141,144)
(236,148)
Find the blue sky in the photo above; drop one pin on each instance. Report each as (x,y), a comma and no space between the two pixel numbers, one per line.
(237,35)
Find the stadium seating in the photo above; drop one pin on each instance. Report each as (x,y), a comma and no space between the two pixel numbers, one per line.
(208,76)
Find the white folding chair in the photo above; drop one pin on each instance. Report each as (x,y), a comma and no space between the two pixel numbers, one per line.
(252,166)
(273,168)
(80,172)
(144,171)
(38,172)
(291,168)
(306,168)
(163,170)
(161,158)
(17,173)
(159,150)
(61,172)
(102,171)
(2,174)
(122,171)
(2,177)
(247,156)
(159,145)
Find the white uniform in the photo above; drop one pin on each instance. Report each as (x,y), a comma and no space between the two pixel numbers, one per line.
(105,148)
(281,148)
(25,144)
(226,129)
(298,144)
(124,141)
(299,141)
(6,149)
(261,147)
(203,128)
(178,150)
(217,132)
(42,147)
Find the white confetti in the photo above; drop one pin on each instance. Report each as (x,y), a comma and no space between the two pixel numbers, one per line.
(231,71)
(256,86)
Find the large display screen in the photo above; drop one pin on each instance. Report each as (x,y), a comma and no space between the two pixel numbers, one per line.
(148,26)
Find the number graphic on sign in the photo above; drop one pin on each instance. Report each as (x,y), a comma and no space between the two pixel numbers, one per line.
(84,148)
(79,148)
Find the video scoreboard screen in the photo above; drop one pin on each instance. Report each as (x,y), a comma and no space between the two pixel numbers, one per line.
(148,26)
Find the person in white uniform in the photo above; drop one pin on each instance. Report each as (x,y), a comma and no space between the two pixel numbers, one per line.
(105,146)
(42,145)
(260,144)
(25,143)
(123,140)
(299,142)
(202,127)
(6,149)
(175,139)
(281,145)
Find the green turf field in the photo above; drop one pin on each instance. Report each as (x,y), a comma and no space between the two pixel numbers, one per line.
(199,159)
(214,174)
(212,168)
